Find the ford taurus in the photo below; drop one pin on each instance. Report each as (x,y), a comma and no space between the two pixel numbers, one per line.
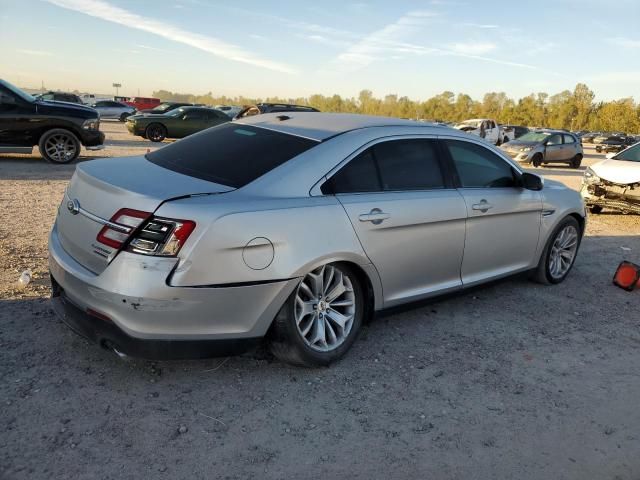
(295,228)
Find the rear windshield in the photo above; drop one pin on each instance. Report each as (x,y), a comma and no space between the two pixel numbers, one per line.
(230,154)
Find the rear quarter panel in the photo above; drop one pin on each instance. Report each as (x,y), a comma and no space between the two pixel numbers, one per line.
(304,232)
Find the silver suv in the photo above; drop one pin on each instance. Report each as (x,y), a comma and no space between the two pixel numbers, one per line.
(546,146)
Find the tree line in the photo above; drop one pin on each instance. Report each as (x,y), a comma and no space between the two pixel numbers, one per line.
(571,110)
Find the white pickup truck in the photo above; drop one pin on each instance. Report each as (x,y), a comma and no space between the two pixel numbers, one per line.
(483,127)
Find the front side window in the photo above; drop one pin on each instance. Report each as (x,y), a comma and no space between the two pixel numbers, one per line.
(554,140)
(478,167)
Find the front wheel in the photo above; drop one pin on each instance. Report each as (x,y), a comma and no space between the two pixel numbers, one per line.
(321,319)
(59,146)
(559,253)
(123,116)
(536,161)
(156,132)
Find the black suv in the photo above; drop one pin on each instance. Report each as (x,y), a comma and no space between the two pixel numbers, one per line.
(271,108)
(57,128)
(60,97)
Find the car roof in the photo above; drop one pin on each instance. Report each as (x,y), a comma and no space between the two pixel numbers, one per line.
(321,126)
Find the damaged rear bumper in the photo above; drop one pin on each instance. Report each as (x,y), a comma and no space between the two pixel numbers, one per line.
(131,304)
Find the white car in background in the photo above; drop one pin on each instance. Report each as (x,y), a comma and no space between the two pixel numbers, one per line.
(614,182)
(483,127)
(115,110)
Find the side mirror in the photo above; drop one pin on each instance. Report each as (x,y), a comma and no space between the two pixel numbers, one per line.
(611,155)
(531,181)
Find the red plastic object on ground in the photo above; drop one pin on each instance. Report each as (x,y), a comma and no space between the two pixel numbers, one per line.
(627,276)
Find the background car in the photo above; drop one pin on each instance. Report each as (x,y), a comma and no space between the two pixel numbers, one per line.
(178,123)
(165,107)
(140,103)
(117,110)
(261,108)
(511,132)
(230,110)
(295,231)
(58,128)
(615,143)
(589,137)
(60,97)
(546,146)
(614,182)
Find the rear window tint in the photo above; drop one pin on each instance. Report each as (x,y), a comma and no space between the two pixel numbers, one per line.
(231,154)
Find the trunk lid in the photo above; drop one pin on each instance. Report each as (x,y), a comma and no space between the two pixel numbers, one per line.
(102,187)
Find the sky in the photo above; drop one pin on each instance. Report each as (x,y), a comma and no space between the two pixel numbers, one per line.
(289,48)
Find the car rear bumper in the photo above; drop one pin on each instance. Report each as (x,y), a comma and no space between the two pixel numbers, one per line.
(107,334)
(132,296)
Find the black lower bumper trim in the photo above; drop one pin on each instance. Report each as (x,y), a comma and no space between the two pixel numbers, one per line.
(109,335)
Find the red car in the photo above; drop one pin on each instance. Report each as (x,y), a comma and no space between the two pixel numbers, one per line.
(143,103)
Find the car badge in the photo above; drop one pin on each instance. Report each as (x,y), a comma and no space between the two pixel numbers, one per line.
(73,206)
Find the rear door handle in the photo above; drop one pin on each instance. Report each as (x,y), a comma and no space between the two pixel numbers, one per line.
(483,206)
(375,216)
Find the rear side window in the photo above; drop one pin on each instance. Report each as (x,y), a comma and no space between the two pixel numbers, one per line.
(359,175)
(231,154)
(478,167)
(398,165)
(569,139)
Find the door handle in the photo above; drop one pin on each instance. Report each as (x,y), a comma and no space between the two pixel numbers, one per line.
(375,216)
(483,206)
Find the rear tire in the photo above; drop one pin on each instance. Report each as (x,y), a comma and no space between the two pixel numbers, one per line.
(59,146)
(545,272)
(156,132)
(307,330)
(576,161)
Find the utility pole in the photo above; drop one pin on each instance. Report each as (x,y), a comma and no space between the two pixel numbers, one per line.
(116,86)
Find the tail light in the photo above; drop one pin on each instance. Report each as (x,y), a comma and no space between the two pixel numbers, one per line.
(120,227)
(144,234)
(161,236)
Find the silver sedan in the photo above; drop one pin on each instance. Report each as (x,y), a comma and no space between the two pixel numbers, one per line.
(295,229)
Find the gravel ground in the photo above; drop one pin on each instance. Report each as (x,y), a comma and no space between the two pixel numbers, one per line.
(514,380)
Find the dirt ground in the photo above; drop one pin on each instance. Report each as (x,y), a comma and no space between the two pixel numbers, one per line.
(514,380)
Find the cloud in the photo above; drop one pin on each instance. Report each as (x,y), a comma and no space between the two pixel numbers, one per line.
(387,41)
(473,48)
(486,26)
(624,42)
(35,53)
(105,11)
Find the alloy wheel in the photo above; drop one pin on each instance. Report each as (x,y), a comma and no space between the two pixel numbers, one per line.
(325,308)
(60,148)
(563,252)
